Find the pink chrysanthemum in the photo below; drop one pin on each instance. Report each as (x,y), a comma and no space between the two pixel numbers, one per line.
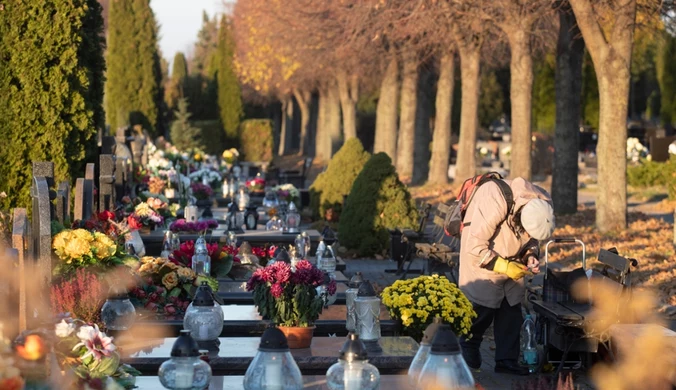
(276,290)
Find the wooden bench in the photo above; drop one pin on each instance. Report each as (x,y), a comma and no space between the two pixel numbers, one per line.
(440,250)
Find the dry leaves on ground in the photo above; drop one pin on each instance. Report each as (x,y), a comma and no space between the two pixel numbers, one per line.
(433,193)
(647,239)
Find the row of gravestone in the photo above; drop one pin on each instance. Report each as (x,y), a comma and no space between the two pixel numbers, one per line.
(32,237)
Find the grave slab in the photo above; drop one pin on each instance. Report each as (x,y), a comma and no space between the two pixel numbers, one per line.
(235,355)
(390,382)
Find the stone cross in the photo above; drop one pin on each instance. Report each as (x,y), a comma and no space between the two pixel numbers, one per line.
(20,238)
(63,202)
(106,182)
(41,239)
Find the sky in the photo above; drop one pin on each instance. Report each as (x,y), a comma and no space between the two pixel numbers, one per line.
(180,21)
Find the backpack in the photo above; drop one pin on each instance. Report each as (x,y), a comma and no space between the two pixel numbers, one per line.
(453,223)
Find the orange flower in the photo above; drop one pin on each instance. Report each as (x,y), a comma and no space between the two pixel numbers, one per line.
(15,383)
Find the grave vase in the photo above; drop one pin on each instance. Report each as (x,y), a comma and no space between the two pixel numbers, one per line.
(298,336)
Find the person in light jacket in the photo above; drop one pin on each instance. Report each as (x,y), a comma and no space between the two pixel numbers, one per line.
(496,252)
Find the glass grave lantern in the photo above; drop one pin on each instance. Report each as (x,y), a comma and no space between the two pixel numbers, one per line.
(270,200)
(350,296)
(328,260)
(167,244)
(353,371)
(118,313)
(246,256)
(423,351)
(445,368)
(273,366)
(204,318)
(323,291)
(293,219)
(367,306)
(185,370)
(201,262)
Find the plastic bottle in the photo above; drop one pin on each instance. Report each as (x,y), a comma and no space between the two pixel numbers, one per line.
(528,344)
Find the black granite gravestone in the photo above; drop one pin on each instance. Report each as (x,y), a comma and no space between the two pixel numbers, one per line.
(107,182)
(63,202)
(41,239)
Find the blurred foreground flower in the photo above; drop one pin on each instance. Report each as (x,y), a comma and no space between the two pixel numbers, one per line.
(645,352)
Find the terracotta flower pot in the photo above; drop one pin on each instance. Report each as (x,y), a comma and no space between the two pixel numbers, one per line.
(298,337)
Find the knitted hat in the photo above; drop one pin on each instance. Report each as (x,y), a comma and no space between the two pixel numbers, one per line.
(537,218)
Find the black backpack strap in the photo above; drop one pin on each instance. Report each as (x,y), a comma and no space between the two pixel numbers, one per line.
(507,193)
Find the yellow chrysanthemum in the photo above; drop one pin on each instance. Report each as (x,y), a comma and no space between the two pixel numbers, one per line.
(83,235)
(147,259)
(103,246)
(143,210)
(59,242)
(77,248)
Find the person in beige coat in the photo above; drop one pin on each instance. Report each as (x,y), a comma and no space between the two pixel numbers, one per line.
(496,251)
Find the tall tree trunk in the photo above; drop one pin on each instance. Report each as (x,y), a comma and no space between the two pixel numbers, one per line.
(387,112)
(611,53)
(409,96)
(441,140)
(521,94)
(303,98)
(469,111)
(287,125)
(423,133)
(321,136)
(570,55)
(334,136)
(348,88)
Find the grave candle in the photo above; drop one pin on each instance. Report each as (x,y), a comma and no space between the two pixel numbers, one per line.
(367,305)
(445,368)
(273,373)
(350,296)
(184,373)
(353,371)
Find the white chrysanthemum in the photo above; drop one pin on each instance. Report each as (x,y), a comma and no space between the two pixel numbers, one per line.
(64,329)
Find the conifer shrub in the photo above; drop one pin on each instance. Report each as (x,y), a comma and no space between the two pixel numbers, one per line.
(331,186)
(378,202)
(256,140)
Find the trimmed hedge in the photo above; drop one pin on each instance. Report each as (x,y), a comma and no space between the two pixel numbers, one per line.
(331,186)
(650,174)
(377,202)
(256,140)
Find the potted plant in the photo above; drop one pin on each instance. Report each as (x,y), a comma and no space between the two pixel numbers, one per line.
(202,193)
(288,297)
(415,303)
(256,186)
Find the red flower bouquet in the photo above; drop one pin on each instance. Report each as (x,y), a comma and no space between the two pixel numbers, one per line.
(288,296)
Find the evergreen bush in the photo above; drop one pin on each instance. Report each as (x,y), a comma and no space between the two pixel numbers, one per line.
(378,201)
(256,140)
(332,185)
(183,134)
(51,90)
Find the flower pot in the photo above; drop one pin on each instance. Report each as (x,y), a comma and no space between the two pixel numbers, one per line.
(298,337)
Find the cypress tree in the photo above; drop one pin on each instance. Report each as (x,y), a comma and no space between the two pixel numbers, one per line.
(179,68)
(229,92)
(177,83)
(133,92)
(51,89)
(666,77)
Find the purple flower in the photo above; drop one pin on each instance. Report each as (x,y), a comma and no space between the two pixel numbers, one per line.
(331,288)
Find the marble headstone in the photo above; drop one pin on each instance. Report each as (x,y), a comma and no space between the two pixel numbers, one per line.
(20,238)
(46,169)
